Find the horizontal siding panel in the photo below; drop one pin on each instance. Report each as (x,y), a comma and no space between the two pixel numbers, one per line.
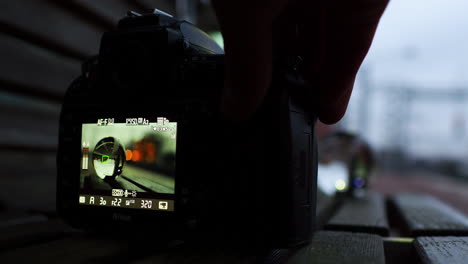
(111,11)
(30,65)
(27,123)
(45,22)
(28,180)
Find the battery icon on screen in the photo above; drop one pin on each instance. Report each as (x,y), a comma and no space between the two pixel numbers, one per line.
(84,166)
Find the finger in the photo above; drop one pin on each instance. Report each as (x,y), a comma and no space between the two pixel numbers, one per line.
(246,29)
(345,36)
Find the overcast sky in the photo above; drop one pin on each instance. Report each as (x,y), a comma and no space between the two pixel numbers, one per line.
(424,42)
(419,44)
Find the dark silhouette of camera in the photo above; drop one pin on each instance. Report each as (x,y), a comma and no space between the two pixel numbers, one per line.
(151,97)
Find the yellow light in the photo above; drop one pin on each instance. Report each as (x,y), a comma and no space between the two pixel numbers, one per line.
(400,239)
(340,185)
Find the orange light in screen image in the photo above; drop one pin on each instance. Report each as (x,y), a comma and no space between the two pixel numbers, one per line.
(136,155)
(150,152)
(128,154)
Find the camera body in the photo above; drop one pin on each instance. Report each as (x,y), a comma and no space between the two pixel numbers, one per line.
(143,148)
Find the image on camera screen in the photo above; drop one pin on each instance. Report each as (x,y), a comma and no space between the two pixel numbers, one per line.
(134,155)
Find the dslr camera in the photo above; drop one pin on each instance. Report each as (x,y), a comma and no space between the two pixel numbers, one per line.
(143,148)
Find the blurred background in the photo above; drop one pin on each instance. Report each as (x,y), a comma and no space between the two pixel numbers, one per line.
(410,101)
(409,105)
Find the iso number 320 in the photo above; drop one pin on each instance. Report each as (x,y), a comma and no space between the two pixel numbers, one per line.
(146,204)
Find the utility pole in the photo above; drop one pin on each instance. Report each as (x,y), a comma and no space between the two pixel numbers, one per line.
(364,97)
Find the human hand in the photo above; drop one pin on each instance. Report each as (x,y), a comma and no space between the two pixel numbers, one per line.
(334,37)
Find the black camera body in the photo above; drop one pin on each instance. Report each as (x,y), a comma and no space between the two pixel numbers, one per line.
(143,148)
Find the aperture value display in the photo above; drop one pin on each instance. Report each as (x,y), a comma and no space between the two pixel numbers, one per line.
(135,155)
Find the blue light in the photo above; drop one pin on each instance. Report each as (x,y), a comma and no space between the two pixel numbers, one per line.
(358,182)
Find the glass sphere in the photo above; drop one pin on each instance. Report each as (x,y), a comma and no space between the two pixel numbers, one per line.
(108,158)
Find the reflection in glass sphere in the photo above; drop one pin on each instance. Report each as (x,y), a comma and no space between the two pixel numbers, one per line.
(108,158)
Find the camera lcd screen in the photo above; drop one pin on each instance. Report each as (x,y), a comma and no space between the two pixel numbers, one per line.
(128,163)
